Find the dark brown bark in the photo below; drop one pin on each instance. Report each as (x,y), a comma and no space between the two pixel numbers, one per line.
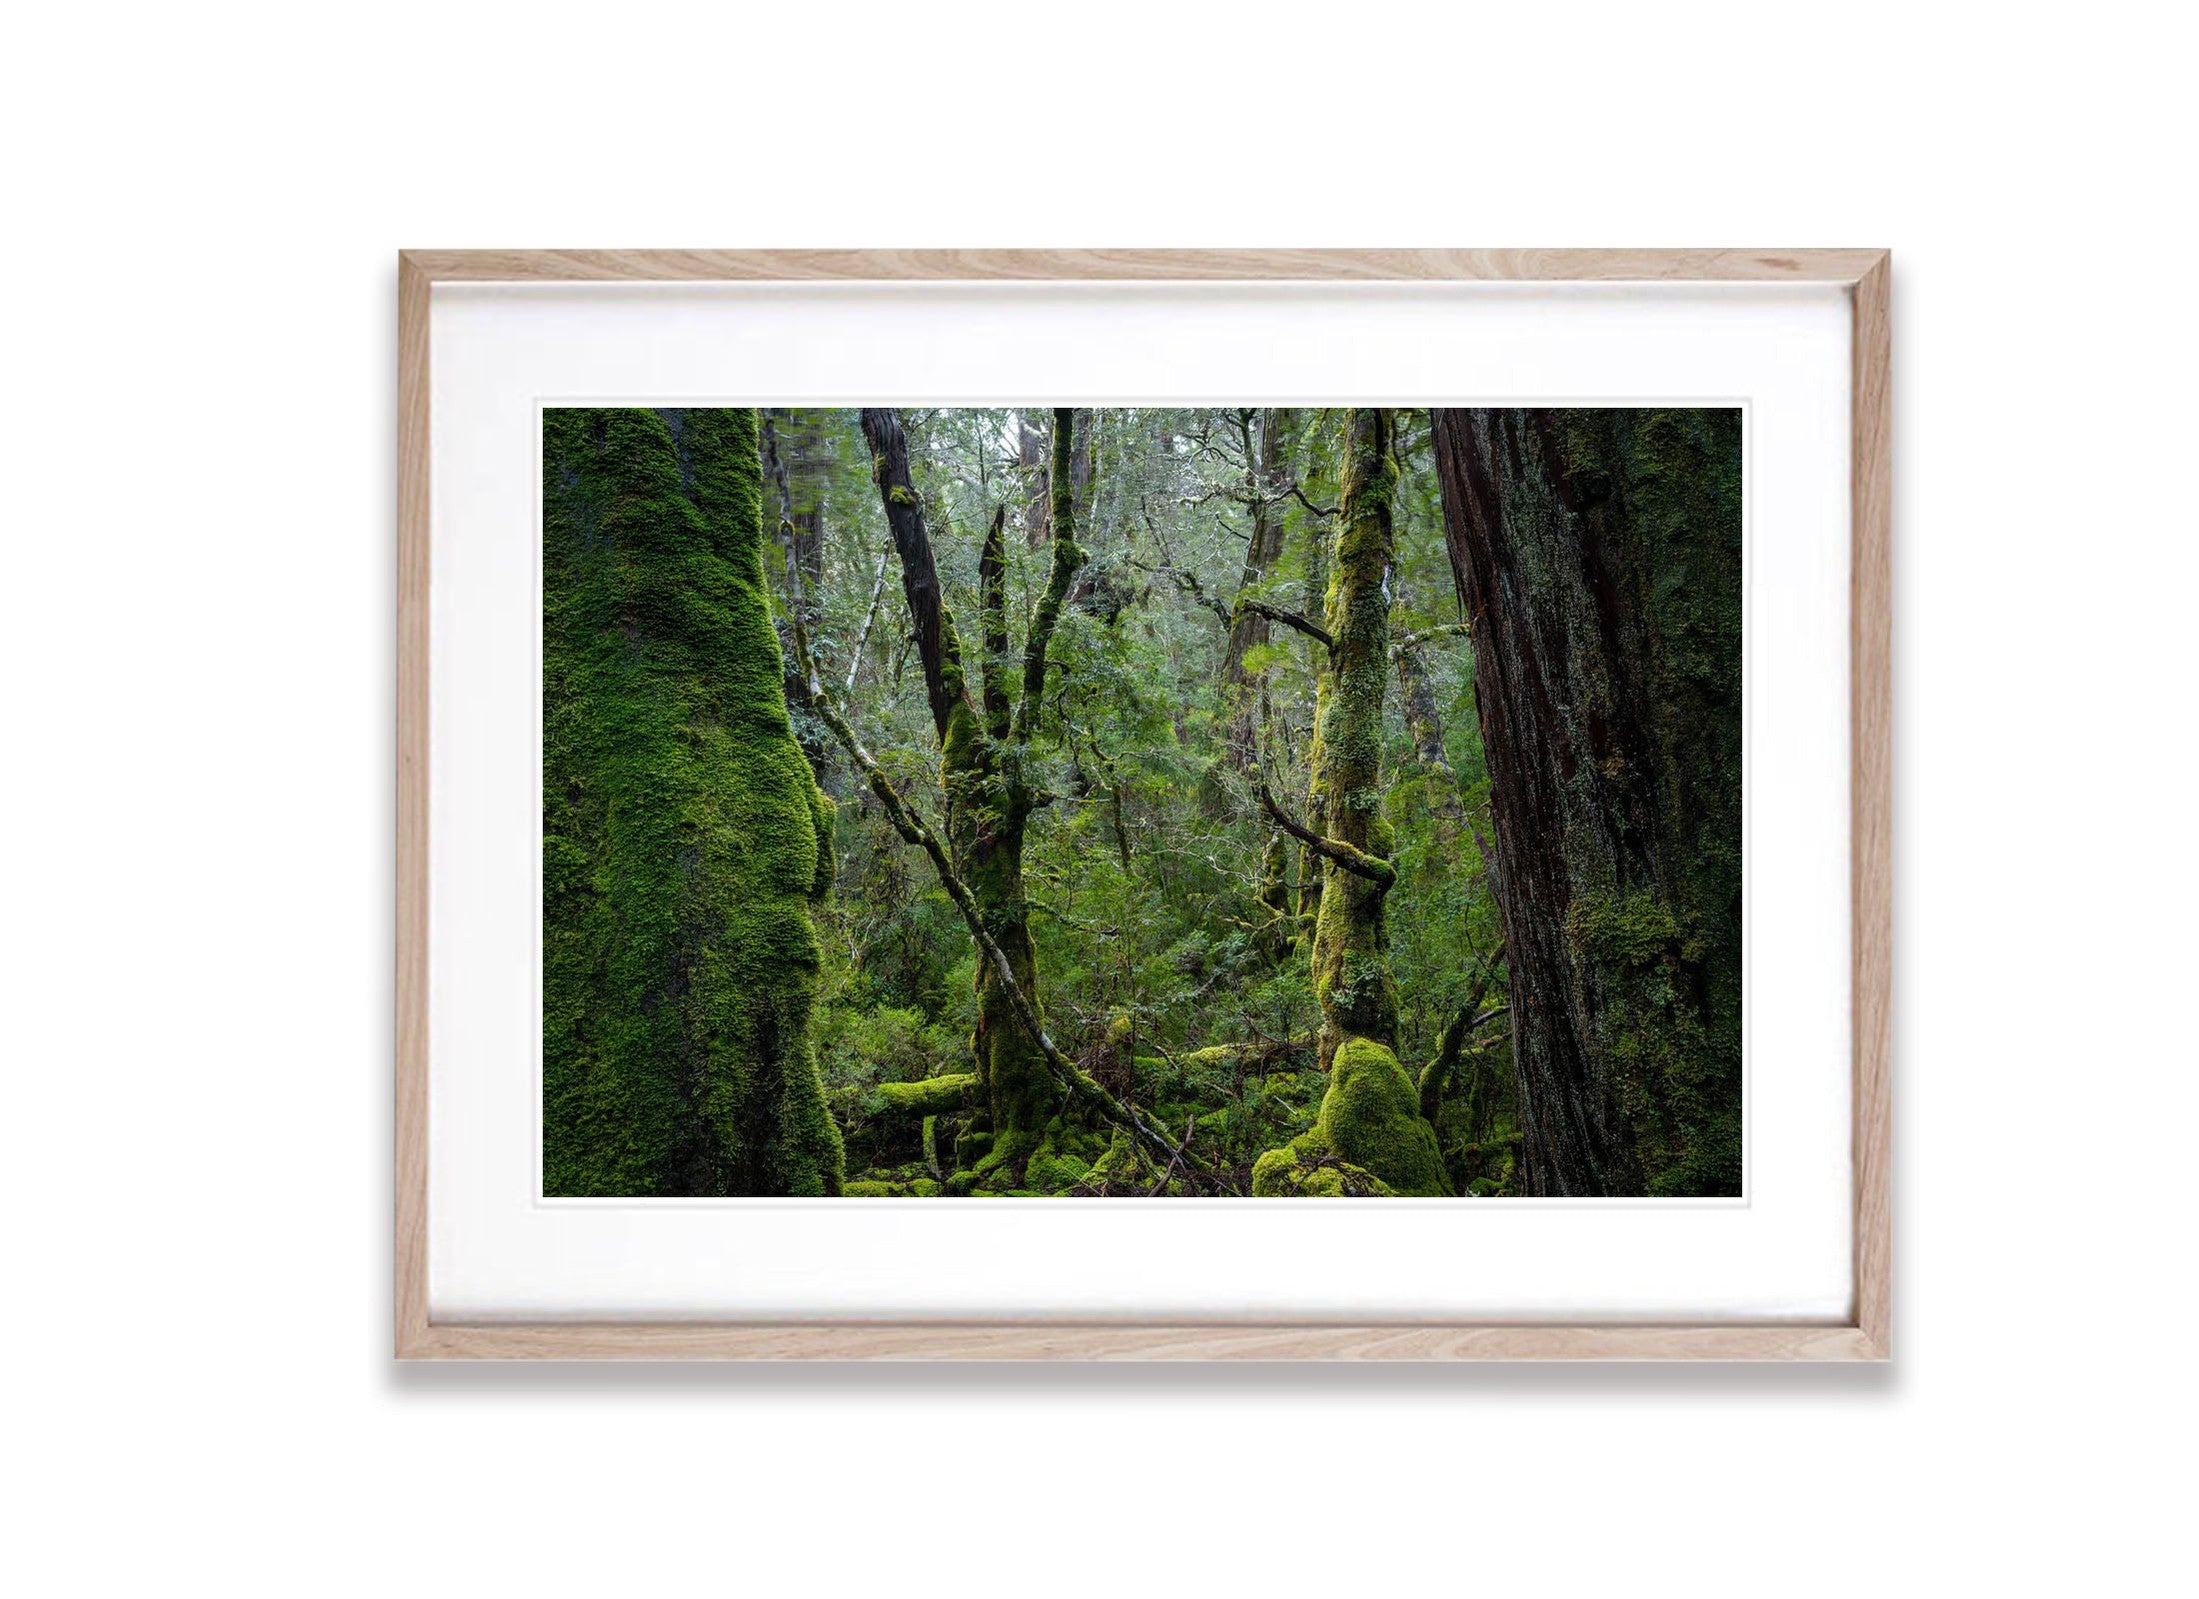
(936,645)
(1597,555)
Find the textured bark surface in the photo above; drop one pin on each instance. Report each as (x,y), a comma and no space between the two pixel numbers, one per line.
(1598,558)
(1351,967)
(683,836)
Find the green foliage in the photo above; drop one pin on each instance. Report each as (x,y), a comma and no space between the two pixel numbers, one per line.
(1169,929)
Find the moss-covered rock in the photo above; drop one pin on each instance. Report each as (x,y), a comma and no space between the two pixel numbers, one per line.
(1305,1169)
(1370,1123)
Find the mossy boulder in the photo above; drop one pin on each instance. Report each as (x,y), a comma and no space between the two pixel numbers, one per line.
(1369,1140)
(1304,1169)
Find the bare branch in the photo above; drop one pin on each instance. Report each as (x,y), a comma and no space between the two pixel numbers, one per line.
(870,617)
(1275,613)
(1406,643)
(1299,495)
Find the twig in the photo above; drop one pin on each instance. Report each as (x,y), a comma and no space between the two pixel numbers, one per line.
(870,617)
(1190,1126)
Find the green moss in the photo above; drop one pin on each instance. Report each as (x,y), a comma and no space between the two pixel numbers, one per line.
(1370,1121)
(870,1190)
(1632,930)
(925,1188)
(933,1096)
(1350,954)
(1054,1172)
(683,834)
(1306,1169)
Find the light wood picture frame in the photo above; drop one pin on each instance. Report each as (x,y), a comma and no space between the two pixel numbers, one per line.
(1864,1335)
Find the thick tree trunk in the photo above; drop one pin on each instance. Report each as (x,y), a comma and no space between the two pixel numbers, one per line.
(1351,965)
(683,836)
(1598,557)
(1370,1137)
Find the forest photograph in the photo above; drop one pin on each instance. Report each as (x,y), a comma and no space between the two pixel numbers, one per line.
(1142,802)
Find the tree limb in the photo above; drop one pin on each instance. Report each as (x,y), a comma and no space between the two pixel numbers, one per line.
(1354,860)
(1453,1041)
(1068,556)
(936,643)
(1406,643)
(1318,510)
(870,617)
(1275,613)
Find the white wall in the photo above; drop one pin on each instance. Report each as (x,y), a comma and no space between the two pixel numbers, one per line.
(196,630)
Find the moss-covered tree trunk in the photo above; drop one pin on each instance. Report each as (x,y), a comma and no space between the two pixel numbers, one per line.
(1598,556)
(1370,1137)
(982,769)
(683,836)
(1351,965)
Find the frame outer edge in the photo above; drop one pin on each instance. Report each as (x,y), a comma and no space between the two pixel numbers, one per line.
(410,1258)
(1870,621)
(1867,1338)
(1116,265)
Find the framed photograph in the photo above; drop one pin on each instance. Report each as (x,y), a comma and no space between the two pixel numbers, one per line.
(1143,804)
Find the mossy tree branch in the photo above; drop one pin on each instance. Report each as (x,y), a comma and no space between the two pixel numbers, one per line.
(1351,858)
(1275,613)
(1471,1018)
